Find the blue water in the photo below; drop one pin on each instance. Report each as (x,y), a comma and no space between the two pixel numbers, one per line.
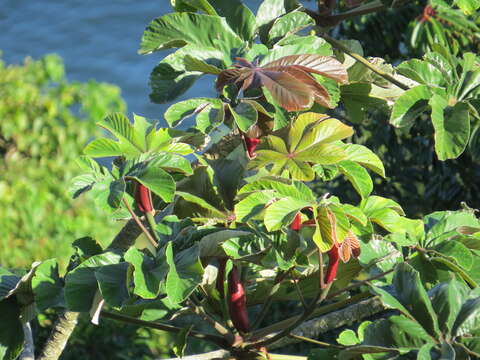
(97,40)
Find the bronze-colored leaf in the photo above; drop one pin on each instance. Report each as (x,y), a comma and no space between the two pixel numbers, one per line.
(323,65)
(289,93)
(227,77)
(320,94)
(349,247)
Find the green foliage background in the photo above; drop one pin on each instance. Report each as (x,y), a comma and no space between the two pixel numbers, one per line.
(45,122)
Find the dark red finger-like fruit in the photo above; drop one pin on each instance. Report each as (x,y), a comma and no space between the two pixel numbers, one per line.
(143,198)
(237,301)
(333,261)
(251,145)
(296,224)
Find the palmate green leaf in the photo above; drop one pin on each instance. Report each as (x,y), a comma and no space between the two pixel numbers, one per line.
(358,176)
(8,282)
(452,127)
(374,203)
(107,147)
(193,5)
(282,188)
(245,115)
(170,78)
(183,110)
(129,142)
(181,341)
(293,44)
(310,140)
(357,99)
(381,254)
(447,300)
(193,64)
(238,16)
(81,283)
(457,251)
(390,301)
(444,262)
(158,181)
(184,274)
(282,212)
(202,203)
(210,245)
(348,338)
(410,105)
(414,297)
(47,286)
(172,162)
(270,10)
(289,24)
(397,333)
(280,115)
(468,319)
(468,6)
(115,195)
(179,29)
(148,273)
(422,72)
(365,157)
(112,282)
(11,330)
(251,206)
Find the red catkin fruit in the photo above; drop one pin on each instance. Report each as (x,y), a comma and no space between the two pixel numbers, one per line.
(143,198)
(237,301)
(251,145)
(296,224)
(333,261)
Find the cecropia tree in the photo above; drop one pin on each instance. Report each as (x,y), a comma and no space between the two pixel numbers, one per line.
(226,200)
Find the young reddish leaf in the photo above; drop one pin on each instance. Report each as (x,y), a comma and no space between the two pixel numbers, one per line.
(288,79)
(323,65)
(349,247)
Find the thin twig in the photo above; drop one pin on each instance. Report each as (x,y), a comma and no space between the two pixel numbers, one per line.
(266,305)
(337,44)
(217,340)
(321,295)
(200,311)
(316,342)
(139,223)
(320,268)
(299,292)
(358,284)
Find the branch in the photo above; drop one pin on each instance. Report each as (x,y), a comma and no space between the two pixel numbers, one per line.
(313,328)
(224,355)
(321,310)
(337,44)
(213,355)
(126,237)
(67,320)
(271,338)
(200,311)
(140,225)
(59,336)
(28,352)
(217,340)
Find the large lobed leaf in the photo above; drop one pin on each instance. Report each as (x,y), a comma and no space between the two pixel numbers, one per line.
(288,79)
